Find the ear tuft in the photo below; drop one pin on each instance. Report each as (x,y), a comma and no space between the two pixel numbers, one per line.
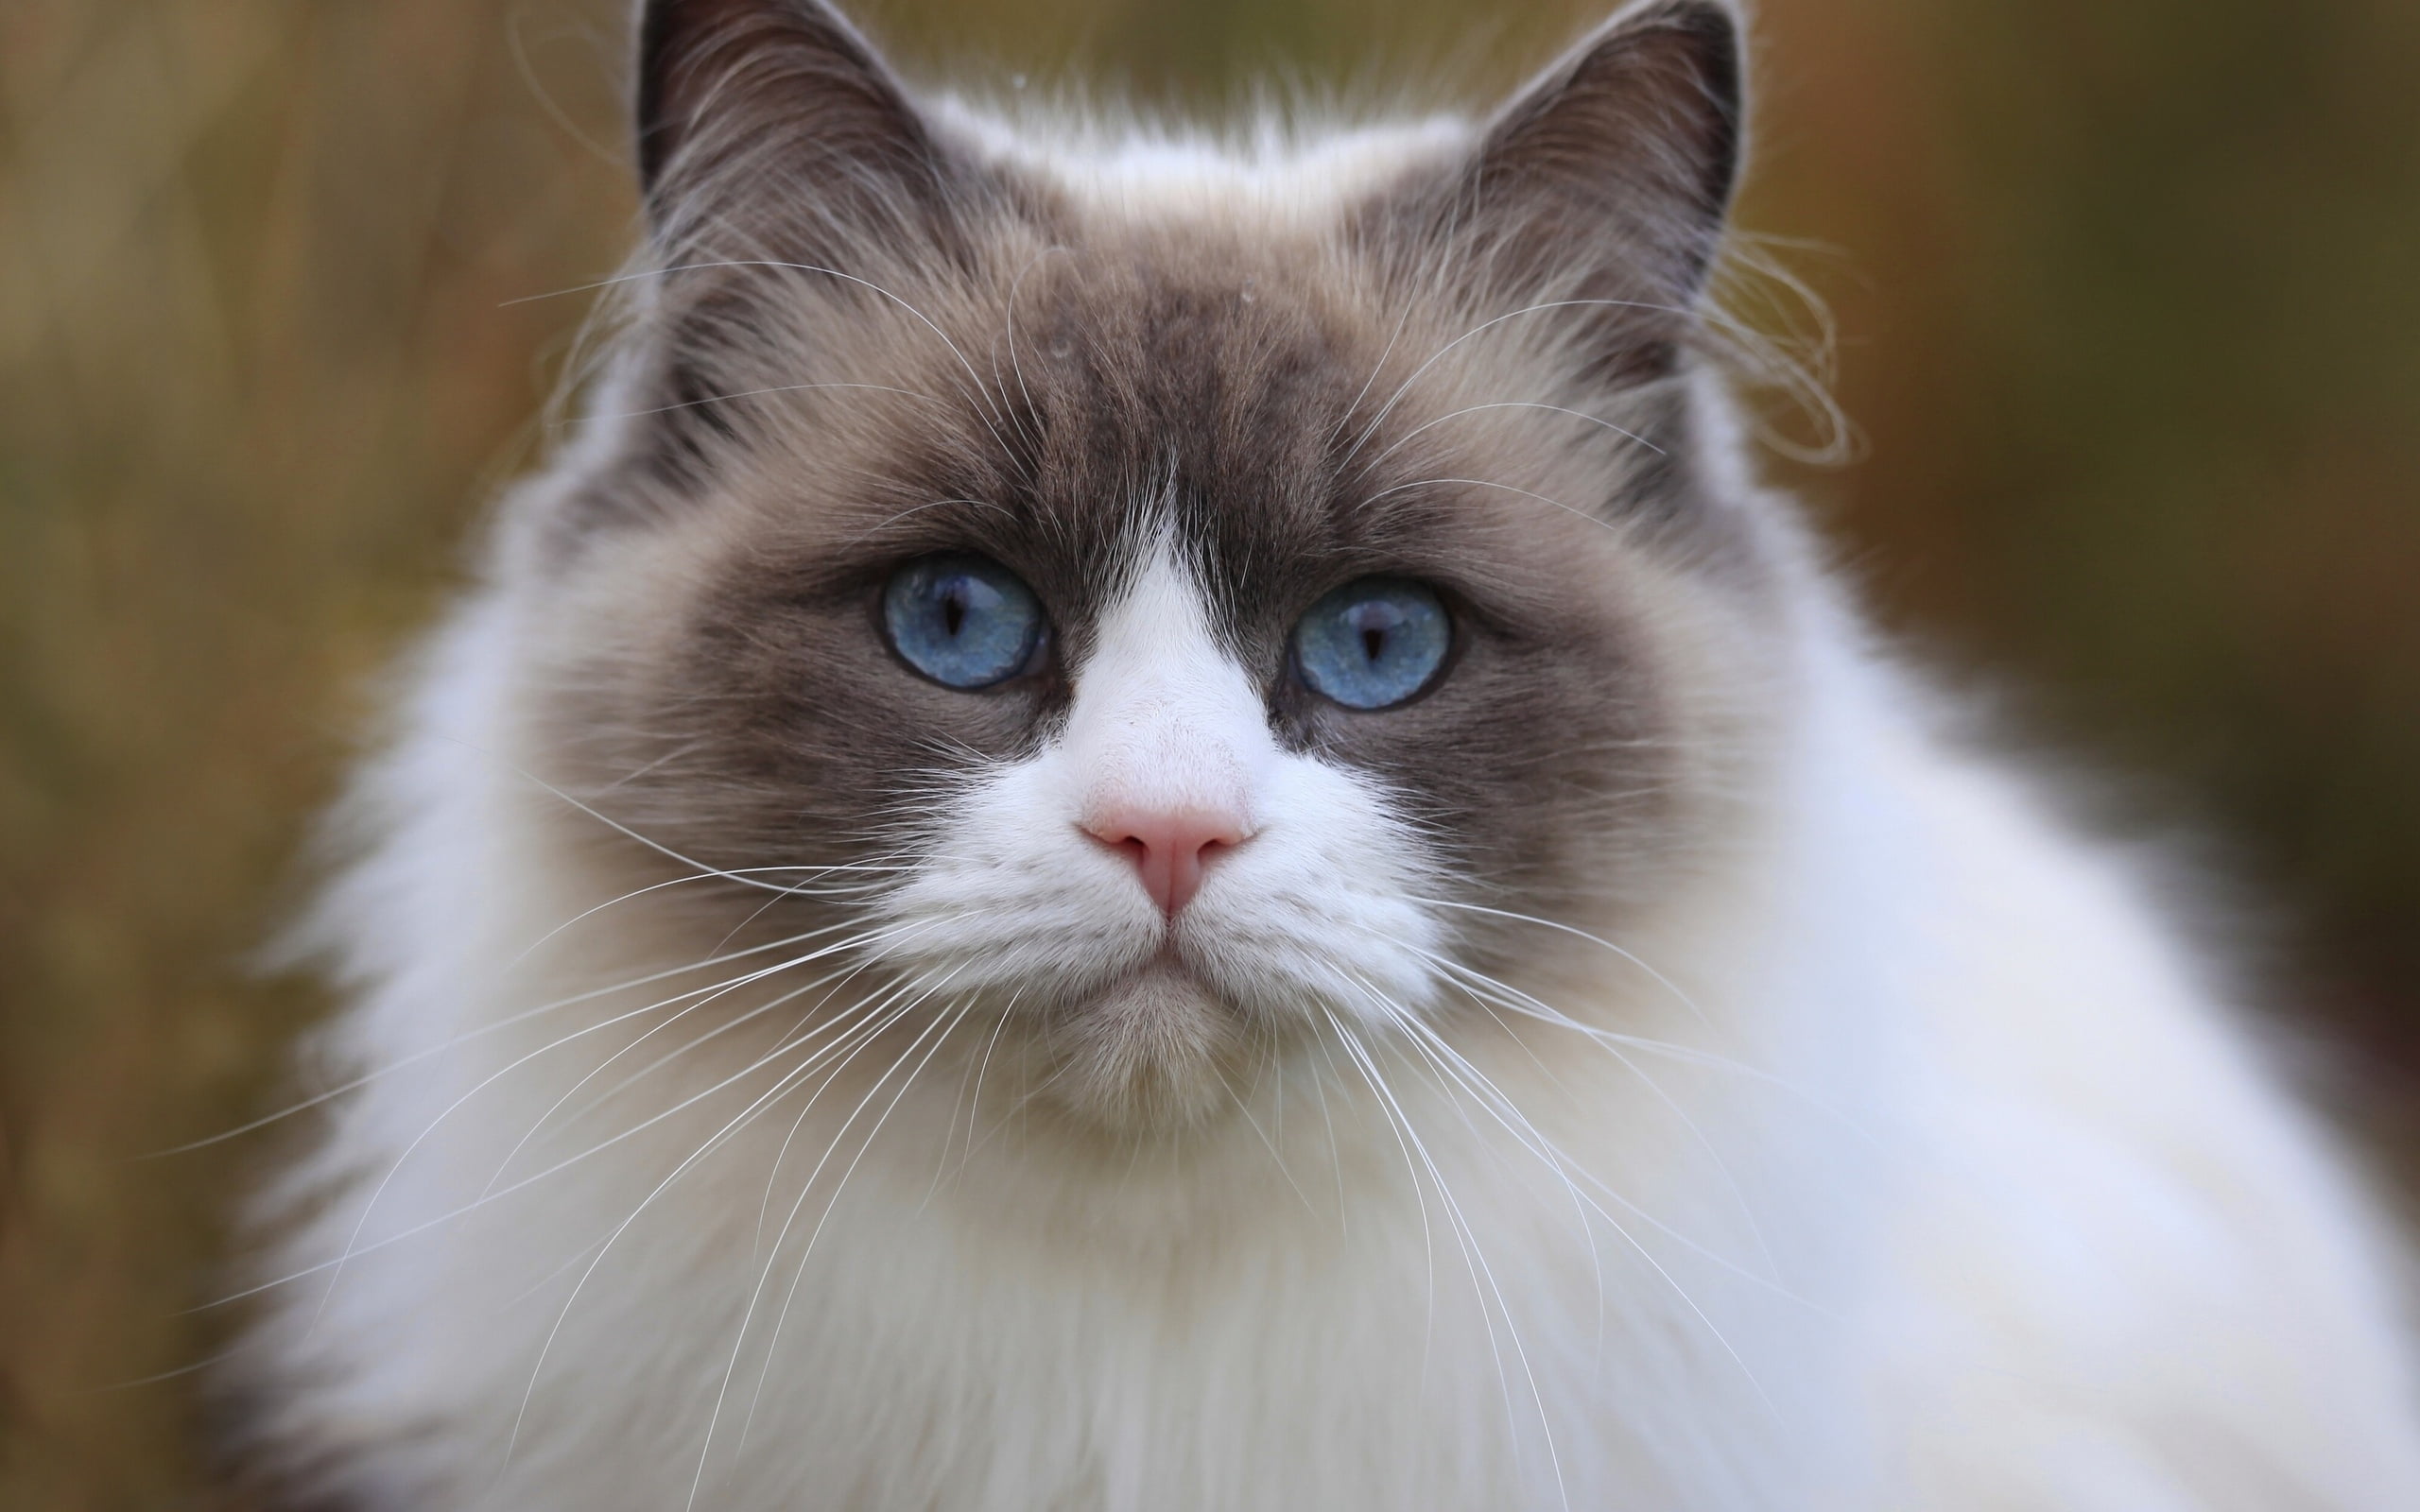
(744,107)
(1636,130)
(1607,178)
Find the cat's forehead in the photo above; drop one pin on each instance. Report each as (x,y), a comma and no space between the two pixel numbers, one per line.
(1274,419)
(1221,394)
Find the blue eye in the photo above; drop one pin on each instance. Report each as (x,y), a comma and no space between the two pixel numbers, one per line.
(1372,644)
(962,621)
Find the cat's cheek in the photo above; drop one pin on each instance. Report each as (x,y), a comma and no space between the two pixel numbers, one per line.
(1330,910)
(1327,911)
(1003,894)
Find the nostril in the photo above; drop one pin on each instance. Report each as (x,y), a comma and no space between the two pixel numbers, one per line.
(1170,848)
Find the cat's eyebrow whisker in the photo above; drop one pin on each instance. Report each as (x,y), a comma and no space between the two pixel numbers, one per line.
(1016,365)
(1439,355)
(992,415)
(1344,417)
(1599,521)
(746,393)
(914,509)
(1406,437)
(769,263)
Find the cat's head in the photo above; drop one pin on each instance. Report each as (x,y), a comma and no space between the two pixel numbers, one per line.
(1156,602)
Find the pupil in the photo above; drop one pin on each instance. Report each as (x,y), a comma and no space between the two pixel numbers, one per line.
(954,609)
(1373,640)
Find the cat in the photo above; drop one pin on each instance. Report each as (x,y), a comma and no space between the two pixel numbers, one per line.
(1159,821)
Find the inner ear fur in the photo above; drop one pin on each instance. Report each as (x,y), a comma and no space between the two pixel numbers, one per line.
(778,156)
(1608,178)
(771,129)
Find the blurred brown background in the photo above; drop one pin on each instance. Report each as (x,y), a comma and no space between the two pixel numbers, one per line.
(2129,294)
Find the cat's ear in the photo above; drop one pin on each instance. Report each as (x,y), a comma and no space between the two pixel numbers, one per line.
(774,122)
(1608,178)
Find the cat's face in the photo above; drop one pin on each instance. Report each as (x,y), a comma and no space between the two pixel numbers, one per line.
(1158,620)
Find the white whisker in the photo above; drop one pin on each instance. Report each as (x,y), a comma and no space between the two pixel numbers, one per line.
(940,1028)
(1660,979)
(1439,355)
(1475,1260)
(1400,442)
(713,1142)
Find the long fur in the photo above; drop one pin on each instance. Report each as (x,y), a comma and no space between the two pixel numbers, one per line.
(1659,1067)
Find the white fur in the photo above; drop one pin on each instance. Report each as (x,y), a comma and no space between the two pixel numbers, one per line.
(1284,176)
(2039,1235)
(1311,908)
(1904,1160)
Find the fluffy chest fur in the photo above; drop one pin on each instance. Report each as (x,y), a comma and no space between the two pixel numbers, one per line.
(1160,828)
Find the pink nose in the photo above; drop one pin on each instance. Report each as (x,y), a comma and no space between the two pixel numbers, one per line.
(1170,847)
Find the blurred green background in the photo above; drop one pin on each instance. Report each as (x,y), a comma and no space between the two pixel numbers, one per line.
(2129,302)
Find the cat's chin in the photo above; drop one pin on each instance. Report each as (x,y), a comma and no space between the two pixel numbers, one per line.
(1152,1051)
